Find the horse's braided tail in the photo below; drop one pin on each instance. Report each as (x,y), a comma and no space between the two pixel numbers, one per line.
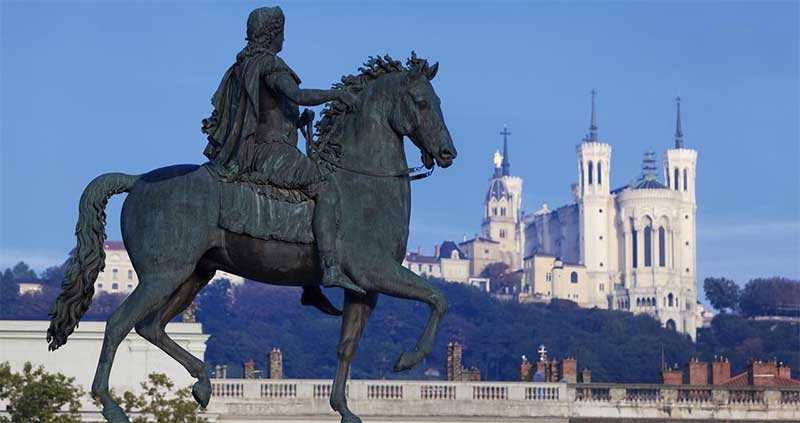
(88,258)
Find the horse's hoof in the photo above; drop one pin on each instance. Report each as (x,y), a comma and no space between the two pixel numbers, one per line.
(114,414)
(407,360)
(351,418)
(201,391)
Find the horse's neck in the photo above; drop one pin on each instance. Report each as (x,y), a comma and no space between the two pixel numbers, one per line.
(370,143)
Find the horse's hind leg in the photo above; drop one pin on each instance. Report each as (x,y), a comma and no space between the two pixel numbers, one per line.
(356,313)
(149,295)
(152,329)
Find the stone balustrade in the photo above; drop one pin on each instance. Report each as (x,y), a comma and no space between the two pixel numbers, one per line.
(440,401)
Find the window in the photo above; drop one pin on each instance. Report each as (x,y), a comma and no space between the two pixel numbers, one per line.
(99,286)
(573,277)
(662,247)
(591,171)
(582,181)
(601,237)
(130,286)
(677,180)
(601,210)
(602,287)
(670,299)
(685,177)
(419,267)
(648,246)
(502,211)
(600,175)
(549,277)
(601,264)
(666,171)
(114,286)
(502,233)
(635,248)
(430,268)
(494,211)
(130,274)
(115,273)
(671,324)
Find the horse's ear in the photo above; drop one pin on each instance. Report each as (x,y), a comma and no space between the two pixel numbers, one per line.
(431,71)
(419,70)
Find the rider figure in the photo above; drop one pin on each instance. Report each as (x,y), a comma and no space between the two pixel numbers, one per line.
(252,133)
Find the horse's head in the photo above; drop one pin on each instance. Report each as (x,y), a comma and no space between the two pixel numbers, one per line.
(417,114)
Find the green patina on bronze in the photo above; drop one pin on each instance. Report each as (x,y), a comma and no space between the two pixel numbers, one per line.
(254,208)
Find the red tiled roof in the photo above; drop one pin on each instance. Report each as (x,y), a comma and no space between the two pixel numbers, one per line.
(114,245)
(742,379)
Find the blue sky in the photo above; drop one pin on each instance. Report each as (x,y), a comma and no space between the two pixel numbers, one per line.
(92,87)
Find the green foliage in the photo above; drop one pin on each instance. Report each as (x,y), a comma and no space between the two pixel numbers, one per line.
(771,297)
(158,404)
(37,396)
(22,272)
(9,295)
(722,293)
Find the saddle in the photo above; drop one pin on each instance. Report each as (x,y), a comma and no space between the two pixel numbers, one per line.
(266,212)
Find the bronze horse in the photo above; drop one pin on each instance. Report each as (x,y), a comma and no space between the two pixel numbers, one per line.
(171,231)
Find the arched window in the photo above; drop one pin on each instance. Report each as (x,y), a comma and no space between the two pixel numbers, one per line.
(635,248)
(583,182)
(670,299)
(648,246)
(662,247)
(638,302)
(666,171)
(677,180)
(671,324)
(599,173)
(685,179)
(573,277)
(591,172)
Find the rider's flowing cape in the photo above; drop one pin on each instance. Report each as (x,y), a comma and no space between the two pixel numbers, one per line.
(231,128)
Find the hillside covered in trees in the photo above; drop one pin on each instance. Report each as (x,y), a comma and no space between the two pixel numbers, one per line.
(249,320)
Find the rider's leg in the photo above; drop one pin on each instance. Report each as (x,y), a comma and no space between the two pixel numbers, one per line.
(325,226)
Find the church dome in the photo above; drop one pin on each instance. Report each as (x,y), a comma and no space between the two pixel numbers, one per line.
(497,190)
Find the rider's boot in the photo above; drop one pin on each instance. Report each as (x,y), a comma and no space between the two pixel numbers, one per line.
(313,296)
(333,276)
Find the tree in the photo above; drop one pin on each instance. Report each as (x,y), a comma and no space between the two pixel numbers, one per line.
(722,293)
(9,295)
(38,396)
(771,297)
(154,405)
(22,272)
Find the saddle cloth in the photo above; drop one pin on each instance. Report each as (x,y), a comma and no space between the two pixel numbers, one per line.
(266,212)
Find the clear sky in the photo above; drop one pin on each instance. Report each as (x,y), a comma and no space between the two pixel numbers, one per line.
(93,87)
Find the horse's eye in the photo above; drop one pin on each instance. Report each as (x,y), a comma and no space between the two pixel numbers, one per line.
(422,104)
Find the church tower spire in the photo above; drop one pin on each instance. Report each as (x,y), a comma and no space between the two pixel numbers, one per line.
(506,165)
(678,129)
(593,124)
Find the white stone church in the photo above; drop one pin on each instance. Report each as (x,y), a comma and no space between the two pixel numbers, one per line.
(631,248)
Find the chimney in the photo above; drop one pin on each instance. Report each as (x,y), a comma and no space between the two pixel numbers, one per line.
(760,373)
(454,368)
(569,370)
(554,375)
(525,370)
(250,369)
(586,376)
(720,371)
(672,376)
(698,372)
(276,364)
(784,371)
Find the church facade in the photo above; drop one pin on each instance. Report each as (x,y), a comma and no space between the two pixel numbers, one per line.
(631,248)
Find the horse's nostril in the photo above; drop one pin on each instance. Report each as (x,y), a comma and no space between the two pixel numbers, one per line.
(447,154)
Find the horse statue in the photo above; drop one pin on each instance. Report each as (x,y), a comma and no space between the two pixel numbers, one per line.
(178,230)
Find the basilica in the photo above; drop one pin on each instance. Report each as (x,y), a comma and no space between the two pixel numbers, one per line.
(629,248)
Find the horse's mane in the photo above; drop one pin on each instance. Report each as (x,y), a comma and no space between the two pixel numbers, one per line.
(329,127)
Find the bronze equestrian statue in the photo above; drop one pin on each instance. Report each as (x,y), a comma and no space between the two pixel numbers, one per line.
(254,209)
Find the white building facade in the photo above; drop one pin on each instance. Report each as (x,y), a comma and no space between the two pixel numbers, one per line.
(635,244)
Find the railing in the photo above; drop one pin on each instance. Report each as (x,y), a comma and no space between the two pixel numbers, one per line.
(412,399)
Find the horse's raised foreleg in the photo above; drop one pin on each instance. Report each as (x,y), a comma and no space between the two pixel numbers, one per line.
(356,313)
(152,329)
(389,277)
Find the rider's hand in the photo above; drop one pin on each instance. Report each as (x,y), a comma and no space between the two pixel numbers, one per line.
(347,98)
(306,117)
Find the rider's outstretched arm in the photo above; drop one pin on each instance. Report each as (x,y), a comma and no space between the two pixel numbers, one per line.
(287,86)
